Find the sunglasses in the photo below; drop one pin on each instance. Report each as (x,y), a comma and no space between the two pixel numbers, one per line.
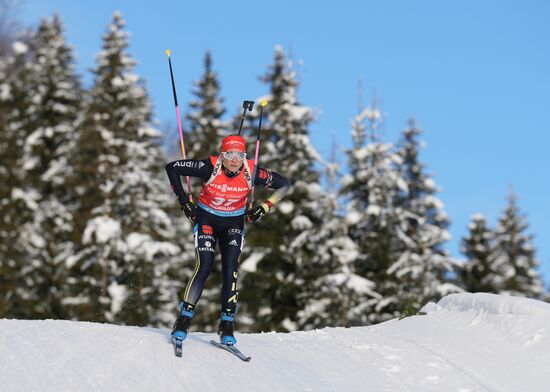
(234,154)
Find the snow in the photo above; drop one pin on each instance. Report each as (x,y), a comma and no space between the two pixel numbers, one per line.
(301,222)
(5,92)
(118,294)
(20,47)
(353,217)
(251,262)
(28,197)
(286,207)
(104,228)
(373,209)
(466,342)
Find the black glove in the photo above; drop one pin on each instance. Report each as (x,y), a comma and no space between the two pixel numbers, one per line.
(190,210)
(255,214)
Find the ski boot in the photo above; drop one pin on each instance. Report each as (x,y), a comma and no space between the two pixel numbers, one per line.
(227,327)
(183,322)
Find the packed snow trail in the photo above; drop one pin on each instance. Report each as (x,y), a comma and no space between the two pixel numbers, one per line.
(466,343)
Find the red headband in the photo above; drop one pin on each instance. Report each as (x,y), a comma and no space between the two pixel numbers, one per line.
(234,141)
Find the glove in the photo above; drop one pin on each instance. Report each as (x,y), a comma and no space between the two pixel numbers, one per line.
(258,213)
(190,210)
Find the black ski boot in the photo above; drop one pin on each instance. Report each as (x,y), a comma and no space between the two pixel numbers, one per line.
(227,327)
(183,322)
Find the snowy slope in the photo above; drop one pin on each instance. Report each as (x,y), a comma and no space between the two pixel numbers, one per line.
(467,342)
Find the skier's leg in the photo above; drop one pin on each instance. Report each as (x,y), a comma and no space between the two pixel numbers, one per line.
(231,243)
(205,244)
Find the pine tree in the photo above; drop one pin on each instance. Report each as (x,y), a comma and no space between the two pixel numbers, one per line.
(423,267)
(43,121)
(515,256)
(333,294)
(371,190)
(271,291)
(204,118)
(127,237)
(16,205)
(478,273)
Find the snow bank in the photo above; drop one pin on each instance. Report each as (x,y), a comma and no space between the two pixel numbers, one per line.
(466,343)
(485,303)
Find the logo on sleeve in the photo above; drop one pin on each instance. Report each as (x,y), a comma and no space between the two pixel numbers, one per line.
(185,164)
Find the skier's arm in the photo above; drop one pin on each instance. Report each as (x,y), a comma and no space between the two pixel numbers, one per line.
(273,180)
(187,167)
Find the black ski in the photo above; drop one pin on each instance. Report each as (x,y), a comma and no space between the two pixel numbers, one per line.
(232,349)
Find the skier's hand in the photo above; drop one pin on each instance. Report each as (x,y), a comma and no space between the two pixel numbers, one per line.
(255,214)
(190,210)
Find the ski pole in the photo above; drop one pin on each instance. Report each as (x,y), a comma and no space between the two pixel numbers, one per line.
(262,104)
(247,105)
(168,53)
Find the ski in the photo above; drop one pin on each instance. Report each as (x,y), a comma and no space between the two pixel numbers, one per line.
(232,349)
(177,342)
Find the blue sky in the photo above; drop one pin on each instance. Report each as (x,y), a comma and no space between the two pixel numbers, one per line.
(474,74)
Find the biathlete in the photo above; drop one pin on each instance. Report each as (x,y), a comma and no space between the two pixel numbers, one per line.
(219,218)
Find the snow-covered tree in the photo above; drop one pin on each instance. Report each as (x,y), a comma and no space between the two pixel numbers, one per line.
(477,273)
(282,242)
(423,267)
(333,294)
(47,99)
(395,219)
(371,189)
(127,238)
(15,205)
(515,258)
(204,118)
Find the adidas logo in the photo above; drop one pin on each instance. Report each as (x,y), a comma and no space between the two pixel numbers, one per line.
(234,242)
(201,164)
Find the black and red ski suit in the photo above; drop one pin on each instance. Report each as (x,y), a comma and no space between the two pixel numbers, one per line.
(213,226)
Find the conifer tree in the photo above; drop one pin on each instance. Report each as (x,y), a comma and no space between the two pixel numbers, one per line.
(271,291)
(16,206)
(423,267)
(371,190)
(204,119)
(478,273)
(46,101)
(333,295)
(515,258)
(127,237)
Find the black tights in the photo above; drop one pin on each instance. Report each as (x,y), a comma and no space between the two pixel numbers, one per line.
(208,230)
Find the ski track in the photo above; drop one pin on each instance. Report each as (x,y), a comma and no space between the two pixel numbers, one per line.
(395,361)
(439,357)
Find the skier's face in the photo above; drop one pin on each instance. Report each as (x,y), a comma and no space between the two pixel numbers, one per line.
(232,164)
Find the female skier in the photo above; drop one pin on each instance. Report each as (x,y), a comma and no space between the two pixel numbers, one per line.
(219,218)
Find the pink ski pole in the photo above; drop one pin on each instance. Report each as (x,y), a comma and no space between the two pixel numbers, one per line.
(169,52)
